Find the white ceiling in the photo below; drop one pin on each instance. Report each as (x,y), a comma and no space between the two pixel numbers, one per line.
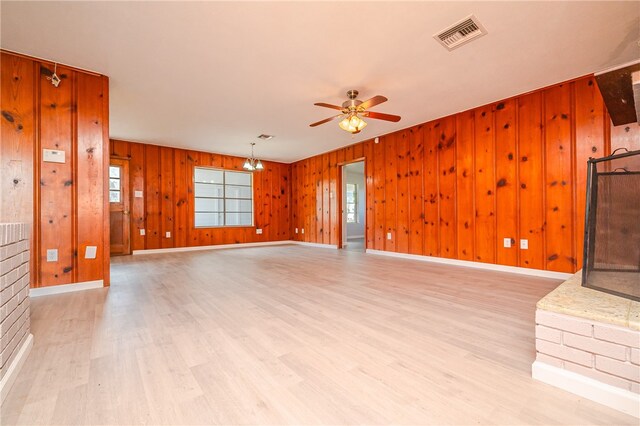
(213,75)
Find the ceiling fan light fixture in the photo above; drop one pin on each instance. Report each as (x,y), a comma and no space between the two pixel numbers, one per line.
(352,123)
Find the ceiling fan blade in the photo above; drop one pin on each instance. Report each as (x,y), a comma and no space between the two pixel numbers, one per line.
(326,120)
(322,104)
(376,100)
(381,116)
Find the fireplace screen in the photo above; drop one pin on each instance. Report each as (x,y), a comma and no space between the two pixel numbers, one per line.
(612,227)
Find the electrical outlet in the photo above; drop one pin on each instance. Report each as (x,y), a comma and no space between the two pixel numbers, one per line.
(303,230)
(137,194)
(90,252)
(524,244)
(507,243)
(296,230)
(52,255)
(388,235)
(258,231)
(142,232)
(167,234)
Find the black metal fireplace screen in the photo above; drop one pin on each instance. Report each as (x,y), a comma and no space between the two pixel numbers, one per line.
(612,227)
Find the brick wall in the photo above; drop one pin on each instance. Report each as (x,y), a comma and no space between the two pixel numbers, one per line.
(607,353)
(14,291)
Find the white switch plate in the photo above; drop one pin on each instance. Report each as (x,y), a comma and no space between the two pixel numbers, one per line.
(52,156)
(258,231)
(296,230)
(524,244)
(142,232)
(388,235)
(507,243)
(90,252)
(303,230)
(137,194)
(167,234)
(52,255)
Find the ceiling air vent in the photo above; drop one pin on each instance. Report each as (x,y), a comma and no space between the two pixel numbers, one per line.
(460,33)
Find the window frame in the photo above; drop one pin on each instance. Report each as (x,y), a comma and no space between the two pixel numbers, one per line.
(223,198)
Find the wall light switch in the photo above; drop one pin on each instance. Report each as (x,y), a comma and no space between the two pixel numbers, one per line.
(258,231)
(507,243)
(137,194)
(167,234)
(303,230)
(90,252)
(53,156)
(142,232)
(296,230)
(388,235)
(52,255)
(524,244)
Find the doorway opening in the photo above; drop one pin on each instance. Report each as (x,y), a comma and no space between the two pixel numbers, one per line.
(353,207)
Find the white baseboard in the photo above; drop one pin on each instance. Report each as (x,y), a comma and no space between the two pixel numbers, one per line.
(586,387)
(352,237)
(65,288)
(10,375)
(319,245)
(477,265)
(213,247)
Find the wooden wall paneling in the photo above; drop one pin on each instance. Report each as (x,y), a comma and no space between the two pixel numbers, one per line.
(391,192)
(416,196)
(180,198)
(193,234)
(559,216)
(431,217)
(305,172)
(506,182)
(90,177)
(625,136)
(447,186)
(590,114)
(152,197)
(403,200)
(326,207)
(136,182)
(358,150)
(106,260)
(378,198)
(531,179)
(18,146)
(267,200)
(334,216)
(317,191)
(120,148)
(465,185)
(286,199)
(485,224)
(368,173)
(56,216)
(167,185)
(259,207)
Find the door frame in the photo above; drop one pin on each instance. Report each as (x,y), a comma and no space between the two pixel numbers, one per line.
(126,201)
(340,198)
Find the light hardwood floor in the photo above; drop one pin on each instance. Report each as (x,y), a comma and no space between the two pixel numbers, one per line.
(291,334)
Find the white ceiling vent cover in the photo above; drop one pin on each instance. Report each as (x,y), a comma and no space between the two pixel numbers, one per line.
(460,33)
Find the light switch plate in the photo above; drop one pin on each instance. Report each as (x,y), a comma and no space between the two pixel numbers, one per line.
(388,235)
(296,230)
(90,252)
(53,156)
(507,243)
(137,194)
(303,230)
(258,231)
(142,232)
(167,234)
(524,244)
(52,255)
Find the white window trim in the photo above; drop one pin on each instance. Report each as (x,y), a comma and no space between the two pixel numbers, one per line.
(224,199)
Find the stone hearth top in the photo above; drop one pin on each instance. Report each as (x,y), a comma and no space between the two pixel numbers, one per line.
(571,298)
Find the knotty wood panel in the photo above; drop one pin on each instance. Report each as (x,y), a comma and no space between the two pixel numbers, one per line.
(497,189)
(166,195)
(559,219)
(136,182)
(485,223)
(506,157)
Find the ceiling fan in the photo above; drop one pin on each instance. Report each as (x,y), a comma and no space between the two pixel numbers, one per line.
(353,110)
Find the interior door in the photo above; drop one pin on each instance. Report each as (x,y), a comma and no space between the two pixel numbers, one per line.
(119,206)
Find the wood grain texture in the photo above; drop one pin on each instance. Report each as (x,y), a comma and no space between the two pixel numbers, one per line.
(165,177)
(462,184)
(326,337)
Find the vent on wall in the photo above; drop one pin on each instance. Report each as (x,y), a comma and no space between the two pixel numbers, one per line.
(460,33)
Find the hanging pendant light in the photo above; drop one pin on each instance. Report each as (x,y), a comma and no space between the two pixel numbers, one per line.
(251,164)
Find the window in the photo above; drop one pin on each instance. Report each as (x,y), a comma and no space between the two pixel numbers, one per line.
(352,203)
(115,187)
(222,198)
